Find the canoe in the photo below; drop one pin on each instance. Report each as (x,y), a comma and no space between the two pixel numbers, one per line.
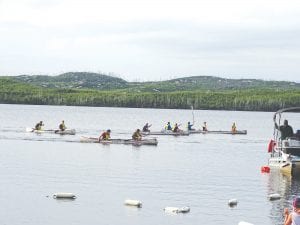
(150,141)
(67,131)
(167,132)
(53,131)
(217,132)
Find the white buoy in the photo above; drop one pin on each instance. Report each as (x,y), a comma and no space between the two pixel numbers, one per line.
(185,209)
(232,202)
(132,202)
(64,195)
(273,197)
(245,223)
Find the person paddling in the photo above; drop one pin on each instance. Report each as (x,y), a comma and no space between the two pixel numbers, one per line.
(176,128)
(137,136)
(105,135)
(204,127)
(146,127)
(233,128)
(190,126)
(168,126)
(62,126)
(39,125)
(293,217)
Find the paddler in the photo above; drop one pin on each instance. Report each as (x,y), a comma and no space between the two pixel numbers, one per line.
(105,135)
(146,127)
(204,127)
(62,126)
(137,136)
(39,125)
(190,126)
(168,126)
(176,128)
(233,128)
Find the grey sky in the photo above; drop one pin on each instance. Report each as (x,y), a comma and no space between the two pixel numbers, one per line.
(152,39)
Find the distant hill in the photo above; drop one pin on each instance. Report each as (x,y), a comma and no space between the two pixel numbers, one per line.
(85,80)
(76,80)
(214,84)
(202,92)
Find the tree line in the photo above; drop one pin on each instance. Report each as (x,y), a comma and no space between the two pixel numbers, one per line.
(250,100)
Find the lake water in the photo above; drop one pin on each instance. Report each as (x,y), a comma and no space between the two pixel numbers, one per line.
(199,171)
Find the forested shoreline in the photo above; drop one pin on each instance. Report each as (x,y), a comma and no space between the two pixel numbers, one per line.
(12,92)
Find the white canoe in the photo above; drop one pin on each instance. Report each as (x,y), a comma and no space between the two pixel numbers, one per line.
(53,131)
(217,132)
(167,132)
(150,141)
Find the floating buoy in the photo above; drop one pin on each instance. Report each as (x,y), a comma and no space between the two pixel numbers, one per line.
(185,209)
(171,209)
(233,202)
(245,223)
(273,197)
(64,195)
(265,169)
(132,202)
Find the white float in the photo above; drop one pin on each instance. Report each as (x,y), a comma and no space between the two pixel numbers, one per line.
(185,209)
(132,202)
(245,223)
(64,195)
(273,197)
(232,202)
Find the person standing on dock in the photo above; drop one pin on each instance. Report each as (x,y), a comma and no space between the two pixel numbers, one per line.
(293,218)
(286,130)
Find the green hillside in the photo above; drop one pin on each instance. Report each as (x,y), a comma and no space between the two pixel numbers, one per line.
(84,80)
(78,80)
(100,90)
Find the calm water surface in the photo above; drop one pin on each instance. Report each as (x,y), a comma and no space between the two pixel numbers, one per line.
(200,171)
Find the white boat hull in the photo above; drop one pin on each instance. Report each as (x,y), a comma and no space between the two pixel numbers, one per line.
(52,131)
(150,141)
(218,132)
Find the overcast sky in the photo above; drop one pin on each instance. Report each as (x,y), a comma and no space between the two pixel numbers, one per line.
(152,39)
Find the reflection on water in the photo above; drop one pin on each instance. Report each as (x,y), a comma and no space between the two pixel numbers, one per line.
(288,187)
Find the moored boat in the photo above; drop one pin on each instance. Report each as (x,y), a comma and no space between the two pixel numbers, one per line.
(150,141)
(285,153)
(217,132)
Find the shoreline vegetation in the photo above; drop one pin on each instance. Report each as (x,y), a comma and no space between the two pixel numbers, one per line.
(202,92)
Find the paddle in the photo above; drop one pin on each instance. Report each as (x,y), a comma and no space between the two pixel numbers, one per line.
(192,107)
